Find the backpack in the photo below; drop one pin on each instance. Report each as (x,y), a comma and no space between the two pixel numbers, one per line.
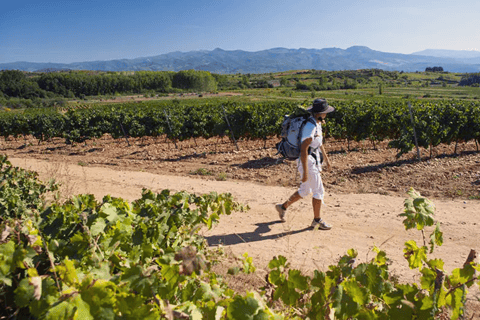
(292,126)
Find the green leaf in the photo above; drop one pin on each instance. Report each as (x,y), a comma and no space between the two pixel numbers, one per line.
(343,300)
(98,227)
(436,238)
(399,302)
(24,293)
(337,299)
(276,277)
(352,253)
(374,278)
(414,254)
(137,281)
(457,303)
(214,217)
(381,257)
(262,315)
(243,308)
(427,303)
(435,263)
(171,275)
(278,262)
(110,212)
(67,272)
(427,280)
(49,297)
(101,271)
(205,293)
(463,275)
(6,262)
(101,298)
(82,309)
(319,279)
(133,306)
(248,266)
(283,292)
(418,211)
(355,291)
(63,310)
(297,280)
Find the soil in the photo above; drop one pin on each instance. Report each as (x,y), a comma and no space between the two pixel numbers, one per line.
(191,95)
(365,191)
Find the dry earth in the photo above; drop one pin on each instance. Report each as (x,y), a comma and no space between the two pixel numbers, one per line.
(365,193)
(191,95)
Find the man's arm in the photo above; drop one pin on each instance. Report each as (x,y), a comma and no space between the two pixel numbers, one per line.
(325,156)
(304,157)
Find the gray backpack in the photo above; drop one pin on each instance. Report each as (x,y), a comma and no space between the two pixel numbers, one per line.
(289,146)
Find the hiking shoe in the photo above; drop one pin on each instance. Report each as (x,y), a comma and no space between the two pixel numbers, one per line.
(322,225)
(281,212)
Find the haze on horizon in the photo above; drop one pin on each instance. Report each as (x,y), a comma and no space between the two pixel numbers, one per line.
(75,31)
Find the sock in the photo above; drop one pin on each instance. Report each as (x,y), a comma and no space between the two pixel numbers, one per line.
(317,219)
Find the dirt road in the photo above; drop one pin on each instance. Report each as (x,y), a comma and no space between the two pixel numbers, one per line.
(360,221)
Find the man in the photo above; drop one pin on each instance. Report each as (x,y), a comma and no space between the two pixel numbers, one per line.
(311,151)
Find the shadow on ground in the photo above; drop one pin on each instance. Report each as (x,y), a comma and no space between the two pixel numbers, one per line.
(254,236)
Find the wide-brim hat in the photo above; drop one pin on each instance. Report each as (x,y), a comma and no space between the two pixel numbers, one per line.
(320,106)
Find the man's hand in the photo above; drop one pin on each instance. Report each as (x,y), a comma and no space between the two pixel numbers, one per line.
(328,166)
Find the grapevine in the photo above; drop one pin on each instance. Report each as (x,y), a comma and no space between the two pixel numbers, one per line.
(111,259)
(435,123)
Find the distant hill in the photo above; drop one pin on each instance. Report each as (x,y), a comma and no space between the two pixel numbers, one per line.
(273,60)
(455,54)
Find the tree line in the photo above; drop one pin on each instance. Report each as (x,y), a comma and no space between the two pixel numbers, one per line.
(78,84)
(472,79)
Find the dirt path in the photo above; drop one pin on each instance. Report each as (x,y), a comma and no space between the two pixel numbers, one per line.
(359,221)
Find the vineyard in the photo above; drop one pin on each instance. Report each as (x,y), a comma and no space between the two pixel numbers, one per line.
(86,258)
(110,259)
(67,255)
(427,124)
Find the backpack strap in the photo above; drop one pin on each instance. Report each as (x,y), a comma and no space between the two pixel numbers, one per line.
(300,132)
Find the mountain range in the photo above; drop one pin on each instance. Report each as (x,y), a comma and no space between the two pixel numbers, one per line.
(276,60)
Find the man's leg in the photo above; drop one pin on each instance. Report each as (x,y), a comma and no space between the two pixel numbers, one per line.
(293,198)
(282,208)
(317,205)
(317,221)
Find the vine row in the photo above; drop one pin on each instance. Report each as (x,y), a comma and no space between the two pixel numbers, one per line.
(441,122)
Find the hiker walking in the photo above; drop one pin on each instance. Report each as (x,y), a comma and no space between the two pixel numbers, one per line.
(311,154)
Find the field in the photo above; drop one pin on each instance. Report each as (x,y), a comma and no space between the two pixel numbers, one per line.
(360,170)
(365,188)
(365,192)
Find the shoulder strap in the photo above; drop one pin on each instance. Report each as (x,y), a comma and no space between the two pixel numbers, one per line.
(300,132)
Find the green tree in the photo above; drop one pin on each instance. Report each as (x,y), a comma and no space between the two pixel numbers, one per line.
(194,80)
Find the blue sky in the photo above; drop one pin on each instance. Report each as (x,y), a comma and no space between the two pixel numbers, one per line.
(74,31)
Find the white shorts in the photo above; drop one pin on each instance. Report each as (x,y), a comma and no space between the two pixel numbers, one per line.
(314,183)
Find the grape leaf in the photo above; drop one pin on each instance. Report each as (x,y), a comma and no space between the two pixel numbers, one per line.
(110,212)
(244,308)
(98,227)
(414,254)
(6,263)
